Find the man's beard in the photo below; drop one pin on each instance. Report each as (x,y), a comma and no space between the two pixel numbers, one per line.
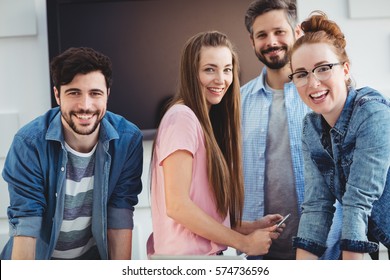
(276,62)
(68,119)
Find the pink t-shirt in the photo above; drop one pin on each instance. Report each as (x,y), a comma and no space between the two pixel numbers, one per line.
(181,130)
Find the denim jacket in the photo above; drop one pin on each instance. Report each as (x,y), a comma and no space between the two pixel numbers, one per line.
(35,170)
(349,162)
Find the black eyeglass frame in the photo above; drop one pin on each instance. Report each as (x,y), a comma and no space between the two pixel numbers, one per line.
(330,65)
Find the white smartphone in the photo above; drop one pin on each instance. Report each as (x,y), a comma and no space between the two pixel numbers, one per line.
(283,220)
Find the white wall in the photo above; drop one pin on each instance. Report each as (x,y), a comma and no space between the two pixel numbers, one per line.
(24,77)
(142,214)
(25,81)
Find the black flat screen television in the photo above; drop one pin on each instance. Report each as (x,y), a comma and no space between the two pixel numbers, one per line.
(144,39)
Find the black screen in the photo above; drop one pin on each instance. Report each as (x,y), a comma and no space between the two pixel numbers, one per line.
(144,40)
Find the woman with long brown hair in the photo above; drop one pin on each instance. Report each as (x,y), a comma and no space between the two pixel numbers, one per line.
(197,185)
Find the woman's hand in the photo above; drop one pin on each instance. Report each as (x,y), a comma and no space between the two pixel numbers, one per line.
(268,221)
(259,241)
(265,222)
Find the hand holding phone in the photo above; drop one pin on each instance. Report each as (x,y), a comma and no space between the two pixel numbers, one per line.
(283,220)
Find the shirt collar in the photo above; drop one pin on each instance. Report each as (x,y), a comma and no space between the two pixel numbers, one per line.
(260,84)
(342,123)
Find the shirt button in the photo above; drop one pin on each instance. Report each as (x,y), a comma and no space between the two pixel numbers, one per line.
(62,169)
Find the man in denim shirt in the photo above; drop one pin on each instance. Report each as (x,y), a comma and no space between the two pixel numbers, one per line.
(74,173)
(272,115)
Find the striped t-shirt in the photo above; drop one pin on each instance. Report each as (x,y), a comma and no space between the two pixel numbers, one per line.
(75,240)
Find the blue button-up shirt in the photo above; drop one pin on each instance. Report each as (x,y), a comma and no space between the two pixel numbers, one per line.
(35,170)
(256,103)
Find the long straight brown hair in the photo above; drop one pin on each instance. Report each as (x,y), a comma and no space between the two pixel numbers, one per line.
(221,125)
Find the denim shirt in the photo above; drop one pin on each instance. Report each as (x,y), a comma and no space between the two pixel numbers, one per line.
(35,170)
(350,163)
(256,102)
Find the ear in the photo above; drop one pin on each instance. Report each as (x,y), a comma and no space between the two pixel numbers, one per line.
(298,31)
(252,41)
(108,92)
(57,95)
(346,70)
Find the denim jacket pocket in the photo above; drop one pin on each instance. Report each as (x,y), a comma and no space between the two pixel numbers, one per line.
(347,159)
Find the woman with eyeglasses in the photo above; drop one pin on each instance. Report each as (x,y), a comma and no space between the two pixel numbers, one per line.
(346,146)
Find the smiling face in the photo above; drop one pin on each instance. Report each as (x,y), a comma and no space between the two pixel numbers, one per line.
(83,103)
(215,73)
(272,38)
(325,97)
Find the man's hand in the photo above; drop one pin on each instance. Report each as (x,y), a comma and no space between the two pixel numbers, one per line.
(119,244)
(23,248)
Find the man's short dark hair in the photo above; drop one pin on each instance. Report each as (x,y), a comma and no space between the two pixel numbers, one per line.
(73,61)
(259,7)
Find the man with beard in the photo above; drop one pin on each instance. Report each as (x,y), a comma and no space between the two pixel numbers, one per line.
(74,174)
(272,115)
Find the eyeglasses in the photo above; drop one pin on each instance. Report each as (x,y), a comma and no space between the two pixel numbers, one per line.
(320,72)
